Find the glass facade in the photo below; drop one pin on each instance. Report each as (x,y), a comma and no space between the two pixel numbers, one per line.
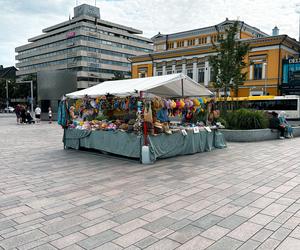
(290,77)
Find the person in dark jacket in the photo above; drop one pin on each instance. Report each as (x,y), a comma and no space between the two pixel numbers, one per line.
(275,124)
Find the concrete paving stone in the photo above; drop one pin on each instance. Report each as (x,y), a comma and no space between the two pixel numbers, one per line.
(292,223)
(22,239)
(249,245)
(283,217)
(165,244)
(262,235)
(63,224)
(6,224)
(39,242)
(132,248)
(215,232)
(180,214)
(98,228)
(261,219)
(281,234)
(132,237)
(146,242)
(93,214)
(133,214)
(98,239)
(232,221)
(154,215)
(71,230)
(290,244)
(45,247)
(159,224)
(273,226)
(248,211)
(130,226)
(296,233)
(180,224)
(15,210)
(68,240)
(226,210)
(262,202)
(76,247)
(29,217)
(108,246)
(163,233)
(270,244)
(226,243)
(245,231)
(186,233)
(199,215)
(274,209)
(207,221)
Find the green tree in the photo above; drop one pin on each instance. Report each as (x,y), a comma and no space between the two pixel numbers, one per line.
(228,65)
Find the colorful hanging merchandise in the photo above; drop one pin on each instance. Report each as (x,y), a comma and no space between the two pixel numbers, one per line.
(63,117)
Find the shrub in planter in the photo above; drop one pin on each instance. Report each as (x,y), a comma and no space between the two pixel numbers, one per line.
(247,119)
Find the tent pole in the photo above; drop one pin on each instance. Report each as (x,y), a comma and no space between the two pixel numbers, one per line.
(182,93)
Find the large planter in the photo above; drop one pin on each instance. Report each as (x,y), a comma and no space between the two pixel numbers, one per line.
(253,135)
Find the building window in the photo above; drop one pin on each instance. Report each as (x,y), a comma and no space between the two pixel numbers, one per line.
(159,73)
(212,75)
(201,75)
(257,71)
(169,72)
(191,42)
(170,45)
(190,73)
(180,44)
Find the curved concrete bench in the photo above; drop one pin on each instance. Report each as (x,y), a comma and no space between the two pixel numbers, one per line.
(253,135)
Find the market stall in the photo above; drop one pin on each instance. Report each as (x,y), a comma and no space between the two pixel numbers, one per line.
(146,118)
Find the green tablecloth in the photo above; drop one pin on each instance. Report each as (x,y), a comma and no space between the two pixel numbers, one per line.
(164,146)
(115,142)
(129,144)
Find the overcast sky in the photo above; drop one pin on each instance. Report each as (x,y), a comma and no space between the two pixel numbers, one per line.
(22,19)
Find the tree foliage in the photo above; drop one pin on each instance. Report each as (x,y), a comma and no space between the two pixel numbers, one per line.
(229,63)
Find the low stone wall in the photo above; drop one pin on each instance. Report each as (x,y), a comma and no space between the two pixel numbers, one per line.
(253,135)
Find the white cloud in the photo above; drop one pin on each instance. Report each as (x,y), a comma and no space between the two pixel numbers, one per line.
(22,19)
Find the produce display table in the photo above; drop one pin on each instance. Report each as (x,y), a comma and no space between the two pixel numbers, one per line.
(130,144)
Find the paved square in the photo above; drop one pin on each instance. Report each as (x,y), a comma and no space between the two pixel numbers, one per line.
(244,197)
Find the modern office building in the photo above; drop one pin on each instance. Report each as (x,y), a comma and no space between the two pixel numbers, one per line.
(97,50)
(189,52)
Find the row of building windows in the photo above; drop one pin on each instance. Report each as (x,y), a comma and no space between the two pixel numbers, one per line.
(190,73)
(84,38)
(98,70)
(114,34)
(192,42)
(74,60)
(79,48)
(256,75)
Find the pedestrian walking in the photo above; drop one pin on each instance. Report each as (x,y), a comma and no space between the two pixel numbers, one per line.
(50,114)
(23,114)
(38,112)
(18,113)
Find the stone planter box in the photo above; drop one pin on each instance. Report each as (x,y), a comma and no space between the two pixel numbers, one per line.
(253,135)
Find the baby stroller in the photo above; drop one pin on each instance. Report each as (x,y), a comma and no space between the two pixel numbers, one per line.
(29,119)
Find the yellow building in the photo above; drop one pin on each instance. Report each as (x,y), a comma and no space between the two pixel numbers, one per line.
(189,51)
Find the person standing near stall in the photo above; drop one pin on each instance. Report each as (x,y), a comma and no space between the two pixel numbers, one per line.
(50,114)
(37,112)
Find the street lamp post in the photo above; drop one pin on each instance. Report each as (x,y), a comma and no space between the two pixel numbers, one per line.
(7,101)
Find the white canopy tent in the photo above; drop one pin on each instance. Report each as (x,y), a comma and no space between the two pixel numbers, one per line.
(175,85)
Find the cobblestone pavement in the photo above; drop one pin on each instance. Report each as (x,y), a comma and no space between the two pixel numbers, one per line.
(244,197)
